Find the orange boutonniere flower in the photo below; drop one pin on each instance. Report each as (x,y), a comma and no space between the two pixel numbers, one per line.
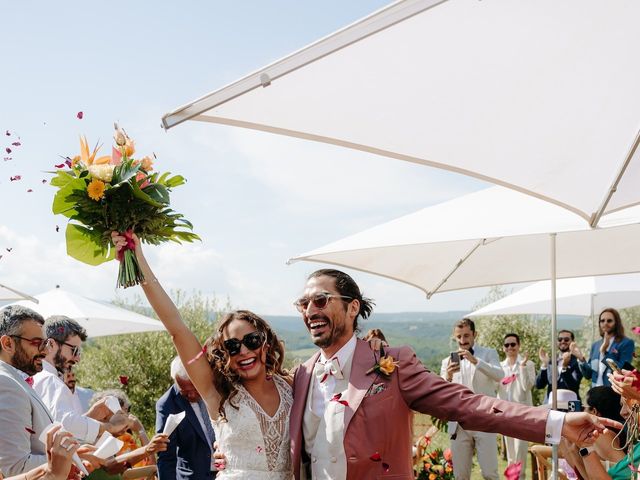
(386,365)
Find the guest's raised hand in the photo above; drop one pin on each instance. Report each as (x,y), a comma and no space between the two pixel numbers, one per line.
(544,358)
(158,443)
(566,359)
(525,359)
(583,428)
(622,384)
(60,448)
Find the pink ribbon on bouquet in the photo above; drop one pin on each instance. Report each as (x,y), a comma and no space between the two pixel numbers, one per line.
(509,379)
(131,245)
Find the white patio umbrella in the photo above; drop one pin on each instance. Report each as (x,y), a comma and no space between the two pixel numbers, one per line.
(7,293)
(99,318)
(537,95)
(574,296)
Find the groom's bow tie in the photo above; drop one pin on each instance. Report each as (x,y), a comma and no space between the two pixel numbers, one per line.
(330,367)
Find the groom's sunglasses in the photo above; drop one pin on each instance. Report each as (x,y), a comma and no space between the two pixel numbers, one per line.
(319,300)
(252,341)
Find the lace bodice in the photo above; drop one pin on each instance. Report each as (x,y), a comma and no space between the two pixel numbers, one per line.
(255,444)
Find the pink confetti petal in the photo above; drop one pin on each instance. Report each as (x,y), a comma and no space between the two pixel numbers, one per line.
(8,150)
(15,178)
(337,397)
(29,191)
(68,163)
(508,380)
(44,181)
(198,356)
(29,430)
(9,249)
(636,330)
(57,228)
(376,457)
(79,115)
(512,472)
(6,159)
(16,144)
(59,165)
(7,133)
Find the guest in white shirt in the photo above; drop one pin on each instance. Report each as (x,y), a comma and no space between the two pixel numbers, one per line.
(65,343)
(519,378)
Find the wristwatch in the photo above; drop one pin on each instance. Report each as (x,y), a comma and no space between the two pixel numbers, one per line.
(585,451)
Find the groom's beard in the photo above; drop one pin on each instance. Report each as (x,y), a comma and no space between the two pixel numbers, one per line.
(22,362)
(335,331)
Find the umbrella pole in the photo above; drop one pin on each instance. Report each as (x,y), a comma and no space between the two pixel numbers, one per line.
(554,353)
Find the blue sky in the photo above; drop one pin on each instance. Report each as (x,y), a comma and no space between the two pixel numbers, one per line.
(255,199)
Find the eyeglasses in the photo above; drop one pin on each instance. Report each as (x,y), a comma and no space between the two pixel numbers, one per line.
(564,339)
(319,300)
(607,320)
(40,343)
(252,341)
(511,344)
(75,349)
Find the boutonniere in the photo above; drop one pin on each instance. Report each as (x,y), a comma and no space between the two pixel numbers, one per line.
(385,365)
(613,350)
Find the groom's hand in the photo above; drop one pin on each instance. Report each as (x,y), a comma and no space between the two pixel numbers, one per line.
(583,428)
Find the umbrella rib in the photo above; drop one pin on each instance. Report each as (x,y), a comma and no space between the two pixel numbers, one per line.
(370,25)
(23,295)
(457,266)
(595,218)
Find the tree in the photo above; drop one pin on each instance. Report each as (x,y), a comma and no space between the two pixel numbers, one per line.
(139,363)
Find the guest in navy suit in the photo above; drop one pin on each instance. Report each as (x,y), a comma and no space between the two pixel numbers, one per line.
(613,345)
(190,446)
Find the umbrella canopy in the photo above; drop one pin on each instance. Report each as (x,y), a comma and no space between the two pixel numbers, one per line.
(540,96)
(494,236)
(99,318)
(574,296)
(8,293)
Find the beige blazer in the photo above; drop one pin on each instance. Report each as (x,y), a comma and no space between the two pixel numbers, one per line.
(23,417)
(378,420)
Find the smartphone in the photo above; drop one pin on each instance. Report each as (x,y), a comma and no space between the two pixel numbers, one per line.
(574,406)
(454,357)
(612,365)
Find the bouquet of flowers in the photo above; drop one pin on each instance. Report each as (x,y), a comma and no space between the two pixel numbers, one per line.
(436,465)
(116,193)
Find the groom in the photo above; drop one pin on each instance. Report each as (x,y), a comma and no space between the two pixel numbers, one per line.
(352,421)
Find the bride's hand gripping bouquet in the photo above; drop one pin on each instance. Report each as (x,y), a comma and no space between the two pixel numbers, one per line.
(117,193)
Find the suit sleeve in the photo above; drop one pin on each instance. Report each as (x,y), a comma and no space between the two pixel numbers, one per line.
(15,420)
(491,367)
(428,393)
(572,376)
(542,378)
(167,460)
(626,349)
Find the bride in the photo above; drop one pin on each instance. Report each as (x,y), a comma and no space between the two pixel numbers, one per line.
(240,377)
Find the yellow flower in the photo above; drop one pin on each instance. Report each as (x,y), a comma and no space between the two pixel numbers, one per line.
(387,365)
(147,164)
(95,190)
(90,158)
(102,172)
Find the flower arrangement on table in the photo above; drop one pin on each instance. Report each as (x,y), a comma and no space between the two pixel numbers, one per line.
(116,193)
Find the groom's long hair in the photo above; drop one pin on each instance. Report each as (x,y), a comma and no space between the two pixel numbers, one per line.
(224,378)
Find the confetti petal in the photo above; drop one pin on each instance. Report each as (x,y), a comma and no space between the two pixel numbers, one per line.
(376,457)
(6,159)
(198,356)
(8,150)
(68,163)
(29,190)
(385,467)
(60,165)
(124,380)
(16,144)
(7,133)
(9,249)
(29,430)
(80,115)
(57,228)
(44,180)
(15,178)
(636,330)
(337,397)
(508,380)
(512,472)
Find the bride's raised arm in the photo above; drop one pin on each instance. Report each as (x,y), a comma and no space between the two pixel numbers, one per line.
(186,343)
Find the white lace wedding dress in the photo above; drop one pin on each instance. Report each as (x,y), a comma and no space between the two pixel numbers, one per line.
(256,445)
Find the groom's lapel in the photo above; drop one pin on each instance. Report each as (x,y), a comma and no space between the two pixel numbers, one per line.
(302,385)
(359,381)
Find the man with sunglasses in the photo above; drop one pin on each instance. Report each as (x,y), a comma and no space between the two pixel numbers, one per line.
(613,345)
(569,374)
(23,416)
(352,411)
(65,337)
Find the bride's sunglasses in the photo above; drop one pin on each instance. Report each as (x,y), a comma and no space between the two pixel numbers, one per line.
(252,341)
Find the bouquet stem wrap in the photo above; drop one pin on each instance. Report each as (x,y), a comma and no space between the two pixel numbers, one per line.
(129,273)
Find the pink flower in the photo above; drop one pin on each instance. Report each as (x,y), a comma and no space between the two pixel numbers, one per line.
(508,380)
(512,472)
(448,456)
(141,178)
(636,330)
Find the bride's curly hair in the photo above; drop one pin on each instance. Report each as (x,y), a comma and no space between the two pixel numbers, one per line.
(225,379)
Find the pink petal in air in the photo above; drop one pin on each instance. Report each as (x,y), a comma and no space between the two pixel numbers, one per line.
(79,115)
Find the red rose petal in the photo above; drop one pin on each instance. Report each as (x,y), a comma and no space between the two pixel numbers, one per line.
(80,115)
(8,150)
(512,472)
(7,133)
(59,165)
(29,191)
(124,380)
(68,163)
(16,144)
(32,432)
(385,467)
(376,457)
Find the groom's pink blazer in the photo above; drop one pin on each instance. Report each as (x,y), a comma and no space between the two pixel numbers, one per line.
(378,416)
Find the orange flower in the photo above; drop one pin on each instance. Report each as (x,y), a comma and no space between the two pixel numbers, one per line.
(387,364)
(433,476)
(147,164)
(95,190)
(90,158)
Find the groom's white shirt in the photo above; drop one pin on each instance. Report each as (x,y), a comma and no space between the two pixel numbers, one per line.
(322,392)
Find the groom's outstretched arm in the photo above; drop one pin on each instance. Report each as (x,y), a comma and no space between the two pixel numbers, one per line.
(428,393)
